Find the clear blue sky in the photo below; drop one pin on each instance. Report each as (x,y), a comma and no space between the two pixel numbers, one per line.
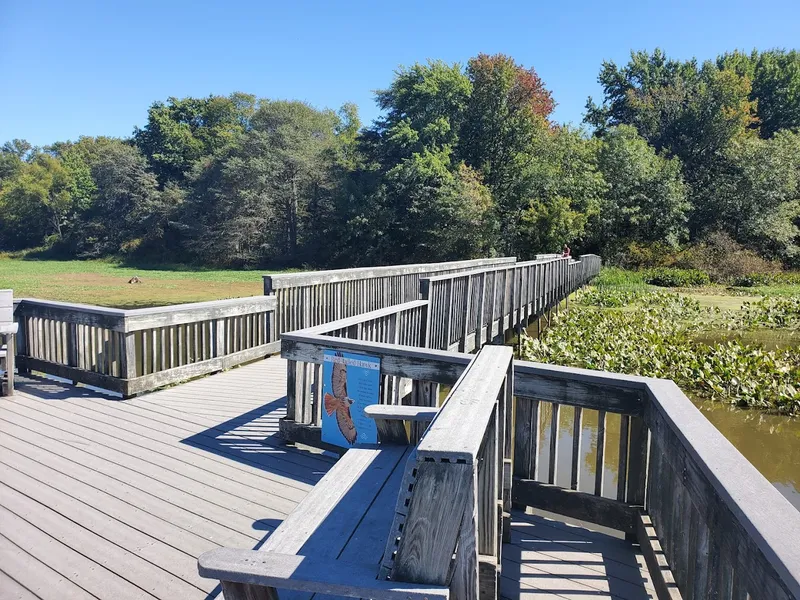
(93,68)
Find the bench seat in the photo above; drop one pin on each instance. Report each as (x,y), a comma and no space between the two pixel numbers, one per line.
(340,527)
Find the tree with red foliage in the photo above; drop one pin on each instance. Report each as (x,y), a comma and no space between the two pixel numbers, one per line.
(509,104)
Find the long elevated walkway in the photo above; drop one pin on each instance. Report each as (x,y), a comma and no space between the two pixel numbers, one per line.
(104,498)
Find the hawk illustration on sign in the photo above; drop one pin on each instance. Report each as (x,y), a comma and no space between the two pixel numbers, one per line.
(339,402)
(350,382)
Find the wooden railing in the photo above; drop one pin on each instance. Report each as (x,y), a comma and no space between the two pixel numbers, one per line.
(133,351)
(709,524)
(591,401)
(310,299)
(470,309)
(464,460)
(507,297)
(643,460)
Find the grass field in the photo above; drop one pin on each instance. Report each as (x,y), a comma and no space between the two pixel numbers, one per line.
(106,283)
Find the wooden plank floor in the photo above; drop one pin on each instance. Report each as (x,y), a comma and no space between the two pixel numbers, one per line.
(103,498)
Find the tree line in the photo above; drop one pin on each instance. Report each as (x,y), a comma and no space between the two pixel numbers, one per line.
(464,161)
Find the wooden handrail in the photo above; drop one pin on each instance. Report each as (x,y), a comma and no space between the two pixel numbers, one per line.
(362,318)
(282,281)
(458,431)
(734,532)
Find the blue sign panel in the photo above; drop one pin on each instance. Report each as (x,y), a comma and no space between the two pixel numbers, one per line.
(350,382)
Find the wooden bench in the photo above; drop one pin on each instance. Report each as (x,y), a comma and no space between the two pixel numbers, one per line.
(387,520)
(8,331)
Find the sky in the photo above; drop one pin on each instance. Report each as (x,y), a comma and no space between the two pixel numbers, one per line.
(93,68)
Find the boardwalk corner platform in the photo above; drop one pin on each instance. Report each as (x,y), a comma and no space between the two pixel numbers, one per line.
(492,477)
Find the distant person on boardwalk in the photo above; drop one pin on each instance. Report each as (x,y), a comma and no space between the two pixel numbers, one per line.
(566,251)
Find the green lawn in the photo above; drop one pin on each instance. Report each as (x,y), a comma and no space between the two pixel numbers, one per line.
(105,283)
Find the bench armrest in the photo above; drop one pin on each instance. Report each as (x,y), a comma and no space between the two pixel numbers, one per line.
(390,412)
(390,420)
(320,576)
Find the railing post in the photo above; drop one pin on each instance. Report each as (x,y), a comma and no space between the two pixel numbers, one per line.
(425,321)
(449,307)
(22,339)
(72,345)
(479,324)
(10,355)
(637,474)
(128,367)
(291,388)
(219,337)
(462,344)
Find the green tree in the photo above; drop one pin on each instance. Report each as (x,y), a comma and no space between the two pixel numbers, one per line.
(12,155)
(557,194)
(35,202)
(645,200)
(180,132)
(253,200)
(126,192)
(424,110)
(755,196)
(682,110)
(776,86)
(508,108)
(79,158)
(438,213)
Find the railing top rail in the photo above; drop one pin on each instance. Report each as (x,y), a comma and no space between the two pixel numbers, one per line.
(459,429)
(316,277)
(362,318)
(765,515)
(404,361)
(142,318)
(570,386)
(162,316)
(24,303)
(491,268)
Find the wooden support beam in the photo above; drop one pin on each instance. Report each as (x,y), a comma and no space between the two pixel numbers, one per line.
(578,505)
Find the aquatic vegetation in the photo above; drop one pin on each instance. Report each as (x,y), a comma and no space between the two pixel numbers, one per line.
(778,312)
(671,277)
(655,336)
(607,297)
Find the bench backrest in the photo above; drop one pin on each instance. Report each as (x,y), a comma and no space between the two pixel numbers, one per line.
(6,306)
(455,482)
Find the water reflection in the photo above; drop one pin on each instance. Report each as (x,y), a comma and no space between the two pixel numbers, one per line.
(588,449)
(770,442)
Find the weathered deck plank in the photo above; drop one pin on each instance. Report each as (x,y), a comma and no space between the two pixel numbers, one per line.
(102,498)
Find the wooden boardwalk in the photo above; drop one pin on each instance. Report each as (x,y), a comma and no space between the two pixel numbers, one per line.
(103,498)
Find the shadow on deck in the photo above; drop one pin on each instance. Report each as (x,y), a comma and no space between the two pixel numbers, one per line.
(104,498)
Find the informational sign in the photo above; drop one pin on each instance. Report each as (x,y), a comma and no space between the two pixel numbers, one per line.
(350,382)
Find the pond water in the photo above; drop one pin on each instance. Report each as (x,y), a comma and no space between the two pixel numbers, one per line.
(770,442)
(769,339)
